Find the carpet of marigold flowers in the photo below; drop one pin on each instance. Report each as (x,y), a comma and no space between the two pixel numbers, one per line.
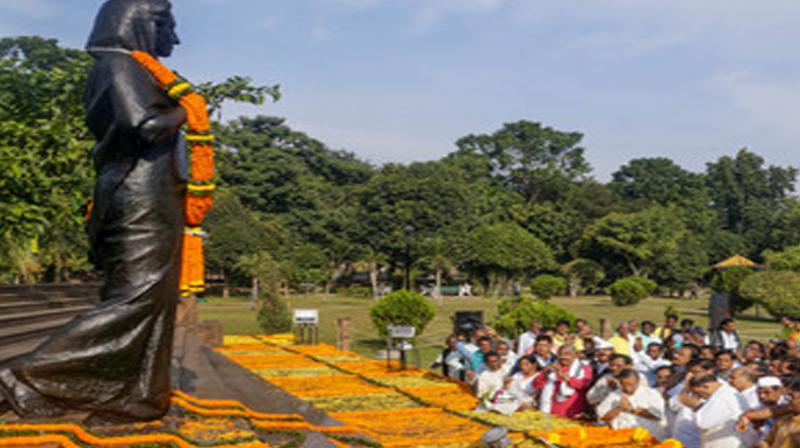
(377,404)
(410,407)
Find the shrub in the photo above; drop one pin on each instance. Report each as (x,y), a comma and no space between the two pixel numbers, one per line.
(627,291)
(546,286)
(274,317)
(777,291)
(514,316)
(788,260)
(648,285)
(729,281)
(402,308)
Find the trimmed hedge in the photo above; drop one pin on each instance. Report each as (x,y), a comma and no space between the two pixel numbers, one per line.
(402,308)
(627,291)
(546,286)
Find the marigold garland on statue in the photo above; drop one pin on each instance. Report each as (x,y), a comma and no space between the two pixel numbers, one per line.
(200,141)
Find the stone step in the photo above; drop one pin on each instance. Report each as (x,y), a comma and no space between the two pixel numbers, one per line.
(81,287)
(29,317)
(13,334)
(37,296)
(16,307)
(19,348)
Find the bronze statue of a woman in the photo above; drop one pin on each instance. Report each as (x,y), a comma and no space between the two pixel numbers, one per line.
(114,361)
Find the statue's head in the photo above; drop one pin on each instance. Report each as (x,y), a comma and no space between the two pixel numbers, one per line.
(143,25)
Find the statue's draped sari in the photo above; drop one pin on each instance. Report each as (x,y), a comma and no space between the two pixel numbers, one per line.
(114,361)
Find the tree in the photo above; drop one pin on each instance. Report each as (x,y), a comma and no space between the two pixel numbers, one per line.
(777,291)
(402,308)
(582,273)
(436,258)
(638,240)
(276,170)
(373,261)
(500,252)
(787,260)
(431,197)
(533,160)
(237,89)
(748,197)
(236,236)
(659,181)
(555,227)
(514,316)
(45,155)
(306,266)
(729,281)
(273,316)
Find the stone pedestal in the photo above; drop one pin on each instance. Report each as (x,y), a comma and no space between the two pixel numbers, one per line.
(209,333)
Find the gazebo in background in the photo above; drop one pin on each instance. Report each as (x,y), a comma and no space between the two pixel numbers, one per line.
(736,260)
(719,307)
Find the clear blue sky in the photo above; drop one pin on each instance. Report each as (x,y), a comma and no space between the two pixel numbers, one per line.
(401,80)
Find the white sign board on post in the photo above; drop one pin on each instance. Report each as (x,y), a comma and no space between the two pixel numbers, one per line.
(402,332)
(306,316)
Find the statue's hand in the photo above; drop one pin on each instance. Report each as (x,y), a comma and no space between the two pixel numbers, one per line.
(162,126)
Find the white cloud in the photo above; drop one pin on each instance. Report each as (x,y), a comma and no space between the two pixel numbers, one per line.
(268,23)
(426,14)
(34,9)
(321,33)
(768,104)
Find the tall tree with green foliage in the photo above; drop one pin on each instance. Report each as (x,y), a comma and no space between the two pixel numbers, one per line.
(536,161)
(431,197)
(750,197)
(500,253)
(634,243)
(45,154)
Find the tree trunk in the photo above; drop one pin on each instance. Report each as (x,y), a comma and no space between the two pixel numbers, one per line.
(226,289)
(574,287)
(437,290)
(373,279)
(254,288)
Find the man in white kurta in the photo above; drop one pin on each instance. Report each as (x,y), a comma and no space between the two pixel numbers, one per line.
(717,417)
(634,405)
(528,339)
(744,381)
(680,418)
(492,391)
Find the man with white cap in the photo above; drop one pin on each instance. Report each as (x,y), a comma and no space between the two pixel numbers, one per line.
(770,391)
(602,355)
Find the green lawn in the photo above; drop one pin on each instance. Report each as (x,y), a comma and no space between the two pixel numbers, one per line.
(238,317)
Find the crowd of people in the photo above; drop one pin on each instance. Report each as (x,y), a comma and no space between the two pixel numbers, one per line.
(705,389)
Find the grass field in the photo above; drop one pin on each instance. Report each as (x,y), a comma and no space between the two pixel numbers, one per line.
(238,317)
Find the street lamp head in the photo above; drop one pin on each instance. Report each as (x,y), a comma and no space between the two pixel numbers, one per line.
(408,229)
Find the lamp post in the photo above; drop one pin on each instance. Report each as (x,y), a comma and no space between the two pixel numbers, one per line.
(408,230)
